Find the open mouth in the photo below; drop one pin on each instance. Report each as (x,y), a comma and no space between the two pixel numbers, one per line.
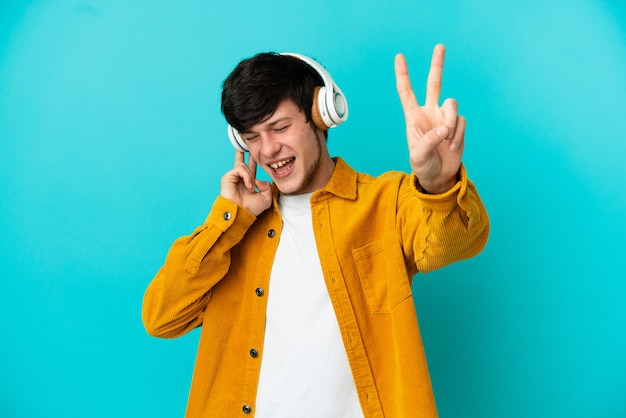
(283,167)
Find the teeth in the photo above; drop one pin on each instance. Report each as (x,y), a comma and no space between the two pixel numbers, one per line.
(281,163)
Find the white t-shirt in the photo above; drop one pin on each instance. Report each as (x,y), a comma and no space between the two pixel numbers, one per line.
(304,370)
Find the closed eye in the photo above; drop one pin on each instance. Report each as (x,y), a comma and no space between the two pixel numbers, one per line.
(281,128)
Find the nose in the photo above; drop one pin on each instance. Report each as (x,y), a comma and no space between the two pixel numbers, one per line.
(270,145)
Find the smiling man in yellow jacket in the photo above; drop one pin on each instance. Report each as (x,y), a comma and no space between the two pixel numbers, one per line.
(302,286)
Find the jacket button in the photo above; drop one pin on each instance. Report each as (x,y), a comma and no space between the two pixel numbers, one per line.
(254,353)
(227,216)
(246,409)
(271,233)
(259,291)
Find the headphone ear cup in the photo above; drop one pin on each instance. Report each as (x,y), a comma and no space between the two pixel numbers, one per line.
(236,139)
(340,108)
(319,96)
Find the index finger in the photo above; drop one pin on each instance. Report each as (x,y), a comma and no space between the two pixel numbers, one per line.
(252,166)
(239,157)
(403,84)
(435,75)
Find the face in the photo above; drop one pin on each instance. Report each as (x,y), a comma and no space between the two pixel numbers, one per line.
(290,150)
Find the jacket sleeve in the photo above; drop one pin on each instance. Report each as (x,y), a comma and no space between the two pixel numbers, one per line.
(175,300)
(451,226)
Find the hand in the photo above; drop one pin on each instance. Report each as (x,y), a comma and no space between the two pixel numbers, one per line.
(435,135)
(240,186)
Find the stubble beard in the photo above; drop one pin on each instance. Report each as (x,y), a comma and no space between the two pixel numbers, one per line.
(310,170)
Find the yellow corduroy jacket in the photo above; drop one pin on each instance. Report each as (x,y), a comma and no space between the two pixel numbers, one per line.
(373,235)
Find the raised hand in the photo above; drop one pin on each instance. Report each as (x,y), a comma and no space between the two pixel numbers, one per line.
(435,134)
(241,186)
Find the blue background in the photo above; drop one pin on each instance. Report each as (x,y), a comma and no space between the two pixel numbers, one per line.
(112,145)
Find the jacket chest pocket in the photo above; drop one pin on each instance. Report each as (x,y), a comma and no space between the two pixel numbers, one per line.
(383,274)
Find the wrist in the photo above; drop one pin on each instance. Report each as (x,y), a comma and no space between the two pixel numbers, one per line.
(437,186)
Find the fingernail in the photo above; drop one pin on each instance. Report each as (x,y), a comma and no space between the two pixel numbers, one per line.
(442,131)
(452,146)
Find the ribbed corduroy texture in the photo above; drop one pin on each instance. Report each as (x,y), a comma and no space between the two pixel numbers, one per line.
(373,235)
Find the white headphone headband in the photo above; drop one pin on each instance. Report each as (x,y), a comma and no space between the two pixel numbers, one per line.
(331,102)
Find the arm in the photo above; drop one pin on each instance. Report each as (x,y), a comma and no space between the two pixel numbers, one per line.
(175,300)
(452,226)
(453,223)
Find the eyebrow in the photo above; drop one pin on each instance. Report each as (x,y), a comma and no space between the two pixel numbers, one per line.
(271,124)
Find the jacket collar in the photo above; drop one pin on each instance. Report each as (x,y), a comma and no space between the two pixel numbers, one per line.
(343,181)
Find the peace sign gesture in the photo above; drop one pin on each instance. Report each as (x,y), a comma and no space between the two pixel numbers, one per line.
(434,133)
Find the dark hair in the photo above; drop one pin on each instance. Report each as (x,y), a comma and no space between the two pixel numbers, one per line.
(256,87)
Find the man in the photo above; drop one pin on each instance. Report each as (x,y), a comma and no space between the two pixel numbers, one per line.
(303,286)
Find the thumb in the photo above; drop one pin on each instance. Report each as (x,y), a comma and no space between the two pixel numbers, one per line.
(262,186)
(442,132)
(434,137)
(265,190)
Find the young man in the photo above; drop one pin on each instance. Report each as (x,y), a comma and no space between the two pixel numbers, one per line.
(303,286)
